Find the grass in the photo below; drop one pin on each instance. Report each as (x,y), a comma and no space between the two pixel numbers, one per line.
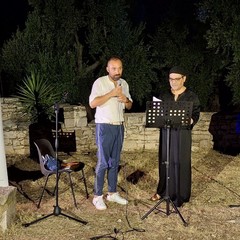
(215,186)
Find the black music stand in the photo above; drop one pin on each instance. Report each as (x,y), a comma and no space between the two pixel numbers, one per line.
(168,115)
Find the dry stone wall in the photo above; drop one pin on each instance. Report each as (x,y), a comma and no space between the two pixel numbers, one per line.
(137,136)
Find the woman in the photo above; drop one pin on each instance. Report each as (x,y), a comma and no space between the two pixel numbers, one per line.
(180,141)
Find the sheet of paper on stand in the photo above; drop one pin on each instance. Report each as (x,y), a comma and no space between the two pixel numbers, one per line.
(156,99)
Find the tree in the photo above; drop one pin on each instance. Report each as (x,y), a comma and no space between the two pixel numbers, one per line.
(70,47)
(177,42)
(45,44)
(111,33)
(223,37)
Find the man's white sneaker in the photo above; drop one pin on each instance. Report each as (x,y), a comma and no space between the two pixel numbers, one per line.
(99,203)
(115,197)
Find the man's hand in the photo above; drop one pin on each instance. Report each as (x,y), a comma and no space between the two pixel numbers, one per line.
(117,91)
(122,98)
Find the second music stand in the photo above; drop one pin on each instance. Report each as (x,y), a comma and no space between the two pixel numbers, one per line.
(167,115)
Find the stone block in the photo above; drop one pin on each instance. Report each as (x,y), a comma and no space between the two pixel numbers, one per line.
(7,206)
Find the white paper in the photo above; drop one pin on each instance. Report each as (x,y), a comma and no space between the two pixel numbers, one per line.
(156,99)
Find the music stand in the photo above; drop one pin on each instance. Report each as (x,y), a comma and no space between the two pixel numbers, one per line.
(168,115)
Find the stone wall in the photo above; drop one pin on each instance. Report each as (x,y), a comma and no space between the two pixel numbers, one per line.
(137,136)
(15,126)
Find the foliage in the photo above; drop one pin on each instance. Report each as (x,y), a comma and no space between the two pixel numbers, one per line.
(70,48)
(70,41)
(46,44)
(38,97)
(179,48)
(112,33)
(223,37)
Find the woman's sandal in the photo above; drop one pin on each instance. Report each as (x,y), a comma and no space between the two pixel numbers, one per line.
(155,197)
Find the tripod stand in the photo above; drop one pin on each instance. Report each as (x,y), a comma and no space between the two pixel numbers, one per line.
(57,209)
(166,115)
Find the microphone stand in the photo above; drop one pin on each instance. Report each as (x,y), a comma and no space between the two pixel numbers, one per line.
(57,209)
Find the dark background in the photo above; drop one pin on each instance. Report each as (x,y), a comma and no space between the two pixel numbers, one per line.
(13,14)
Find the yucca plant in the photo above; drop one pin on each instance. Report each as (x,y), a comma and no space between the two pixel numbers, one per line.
(38,97)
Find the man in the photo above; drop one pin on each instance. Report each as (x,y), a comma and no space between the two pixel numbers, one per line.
(110,96)
(180,143)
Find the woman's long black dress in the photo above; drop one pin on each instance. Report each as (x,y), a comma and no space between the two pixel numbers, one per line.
(180,153)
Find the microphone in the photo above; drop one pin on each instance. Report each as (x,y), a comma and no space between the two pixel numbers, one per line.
(119,82)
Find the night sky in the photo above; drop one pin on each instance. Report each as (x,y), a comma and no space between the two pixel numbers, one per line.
(149,11)
(13,14)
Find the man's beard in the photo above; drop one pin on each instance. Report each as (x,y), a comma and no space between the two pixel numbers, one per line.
(116,77)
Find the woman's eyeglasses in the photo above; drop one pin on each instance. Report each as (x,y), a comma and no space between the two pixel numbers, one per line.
(175,79)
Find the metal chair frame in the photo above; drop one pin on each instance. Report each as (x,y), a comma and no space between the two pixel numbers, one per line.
(44,147)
